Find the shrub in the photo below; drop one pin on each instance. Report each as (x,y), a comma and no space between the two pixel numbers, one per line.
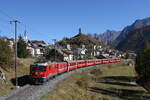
(96,72)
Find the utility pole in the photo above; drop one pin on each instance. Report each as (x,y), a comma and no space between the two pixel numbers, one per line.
(15,42)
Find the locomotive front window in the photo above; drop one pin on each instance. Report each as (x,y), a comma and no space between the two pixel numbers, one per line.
(33,68)
(42,68)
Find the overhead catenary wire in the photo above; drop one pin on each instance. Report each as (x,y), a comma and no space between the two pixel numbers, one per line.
(21,26)
(5,14)
(7,22)
(5,28)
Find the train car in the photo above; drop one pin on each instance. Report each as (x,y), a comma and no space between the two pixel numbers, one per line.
(90,62)
(81,63)
(52,70)
(62,67)
(104,61)
(72,65)
(98,61)
(112,60)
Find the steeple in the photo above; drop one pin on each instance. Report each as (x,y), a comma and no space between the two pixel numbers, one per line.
(80,31)
(25,37)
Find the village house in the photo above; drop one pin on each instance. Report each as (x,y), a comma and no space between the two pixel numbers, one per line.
(66,55)
(59,55)
(36,48)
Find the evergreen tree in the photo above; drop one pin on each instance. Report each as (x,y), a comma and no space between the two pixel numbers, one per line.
(22,48)
(5,54)
(143,63)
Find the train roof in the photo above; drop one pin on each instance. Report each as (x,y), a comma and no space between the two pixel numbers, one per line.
(50,63)
(47,63)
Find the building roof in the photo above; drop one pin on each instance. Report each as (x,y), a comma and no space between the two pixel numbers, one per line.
(63,53)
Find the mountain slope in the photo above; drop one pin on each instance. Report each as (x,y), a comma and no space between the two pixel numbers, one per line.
(135,40)
(136,25)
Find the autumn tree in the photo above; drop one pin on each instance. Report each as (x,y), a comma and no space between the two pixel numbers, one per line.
(5,54)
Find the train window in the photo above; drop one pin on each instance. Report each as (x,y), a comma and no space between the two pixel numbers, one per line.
(56,66)
(33,68)
(81,63)
(50,68)
(72,64)
(42,68)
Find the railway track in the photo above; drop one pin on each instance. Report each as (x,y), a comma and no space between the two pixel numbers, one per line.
(35,92)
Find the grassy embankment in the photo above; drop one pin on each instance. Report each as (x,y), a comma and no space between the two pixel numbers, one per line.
(23,71)
(105,82)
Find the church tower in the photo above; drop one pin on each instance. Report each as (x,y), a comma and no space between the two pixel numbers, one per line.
(80,31)
(25,37)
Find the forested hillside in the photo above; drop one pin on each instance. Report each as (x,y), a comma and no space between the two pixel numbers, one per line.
(135,40)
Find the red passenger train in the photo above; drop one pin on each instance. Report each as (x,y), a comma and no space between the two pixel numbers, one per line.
(42,72)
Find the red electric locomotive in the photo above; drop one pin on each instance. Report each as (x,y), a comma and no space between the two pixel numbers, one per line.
(41,72)
(38,72)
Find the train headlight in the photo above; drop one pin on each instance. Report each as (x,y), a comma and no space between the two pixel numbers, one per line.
(36,73)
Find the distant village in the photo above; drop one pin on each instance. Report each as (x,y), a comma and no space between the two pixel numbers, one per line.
(67,53)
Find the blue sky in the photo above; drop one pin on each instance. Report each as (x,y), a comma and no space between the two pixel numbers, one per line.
(55,19)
